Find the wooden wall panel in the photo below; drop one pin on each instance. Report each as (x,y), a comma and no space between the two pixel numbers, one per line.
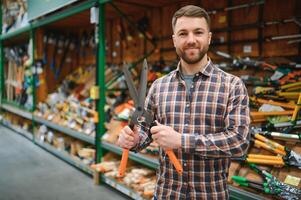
(245,15)
(239,50)
(160,27)
(245,34)
(280,48)
(277,10)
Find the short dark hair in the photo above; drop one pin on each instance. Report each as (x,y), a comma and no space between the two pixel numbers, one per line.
(190,11)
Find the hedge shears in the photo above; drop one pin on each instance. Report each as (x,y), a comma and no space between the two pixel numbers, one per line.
(142,117)
(270,185)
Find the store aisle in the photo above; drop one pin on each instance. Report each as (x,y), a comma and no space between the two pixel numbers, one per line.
(28,172)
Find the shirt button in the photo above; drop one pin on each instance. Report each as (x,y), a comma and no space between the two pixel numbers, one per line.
(185,124)
(185,184)
(185,164)
(187,105)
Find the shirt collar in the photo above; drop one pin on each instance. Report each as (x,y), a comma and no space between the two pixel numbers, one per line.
(207,70)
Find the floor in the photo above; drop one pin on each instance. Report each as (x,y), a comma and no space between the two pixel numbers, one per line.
(27,172)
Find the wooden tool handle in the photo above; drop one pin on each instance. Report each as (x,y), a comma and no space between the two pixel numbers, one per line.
(174,161)
(123,162)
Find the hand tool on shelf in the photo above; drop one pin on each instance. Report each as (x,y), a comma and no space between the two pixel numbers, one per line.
(278,135)
(142,117)
(288,157)
(270,185)
(275,103)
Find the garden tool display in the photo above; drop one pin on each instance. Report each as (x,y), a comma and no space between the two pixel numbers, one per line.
(270,185)
(142,117)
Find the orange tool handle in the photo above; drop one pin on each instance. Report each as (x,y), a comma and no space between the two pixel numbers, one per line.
(266,162)
(297,108)
(268,147)
(174,161)
(264,157)
(123,162)
(270,142)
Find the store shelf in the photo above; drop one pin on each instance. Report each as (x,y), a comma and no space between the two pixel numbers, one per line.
(19,130)
(68,131)
(138,157)
(17,111)
(122,188)
(66,157)
(238,194)
(15,32)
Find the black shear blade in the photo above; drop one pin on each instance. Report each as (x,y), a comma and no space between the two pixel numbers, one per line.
(143,85)
(130,84)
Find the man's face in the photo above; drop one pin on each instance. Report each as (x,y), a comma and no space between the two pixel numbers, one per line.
(191,38)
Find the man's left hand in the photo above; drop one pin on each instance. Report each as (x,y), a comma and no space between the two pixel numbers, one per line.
(166,136)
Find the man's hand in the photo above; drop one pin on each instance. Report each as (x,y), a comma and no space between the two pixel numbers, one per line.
(166,137)
(128,138)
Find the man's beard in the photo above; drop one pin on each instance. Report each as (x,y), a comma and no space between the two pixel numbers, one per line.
(194,60)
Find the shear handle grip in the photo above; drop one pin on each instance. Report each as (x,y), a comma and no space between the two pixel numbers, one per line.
(176,163)
(124,158)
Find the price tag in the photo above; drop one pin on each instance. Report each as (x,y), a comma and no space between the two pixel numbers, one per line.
(292,180)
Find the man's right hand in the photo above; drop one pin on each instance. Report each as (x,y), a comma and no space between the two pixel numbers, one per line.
(128,138)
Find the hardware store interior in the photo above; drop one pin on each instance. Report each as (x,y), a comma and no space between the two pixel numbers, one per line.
(66,97)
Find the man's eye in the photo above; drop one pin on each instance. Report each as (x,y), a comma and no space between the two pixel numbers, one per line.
(199,33)
(182,34)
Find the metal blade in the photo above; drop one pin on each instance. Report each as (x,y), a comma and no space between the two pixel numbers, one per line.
(143,85)
(130,84)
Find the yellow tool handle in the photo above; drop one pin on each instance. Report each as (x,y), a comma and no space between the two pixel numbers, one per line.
(276,103)
(297,108)
(264,157)
(123,162)
(174,161)
(270,142)
(259,144)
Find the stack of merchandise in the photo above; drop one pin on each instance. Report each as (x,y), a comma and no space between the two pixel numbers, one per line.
(71,105)
(142,180)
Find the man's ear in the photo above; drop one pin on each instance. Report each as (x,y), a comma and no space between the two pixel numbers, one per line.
(210,36)
(174,40)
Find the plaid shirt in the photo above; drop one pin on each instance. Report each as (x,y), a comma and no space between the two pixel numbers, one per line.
(213,118)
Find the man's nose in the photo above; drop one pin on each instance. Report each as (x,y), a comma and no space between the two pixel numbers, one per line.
(191,38)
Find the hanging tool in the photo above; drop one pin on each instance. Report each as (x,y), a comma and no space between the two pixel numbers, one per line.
(270,185)
(66,44)
(141,117)
(46,40)
(55,51)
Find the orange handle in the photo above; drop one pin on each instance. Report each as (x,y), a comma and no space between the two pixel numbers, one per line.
(264,157)
(174,161)
(271,143)
(274,149)
(266,162)
(123,162)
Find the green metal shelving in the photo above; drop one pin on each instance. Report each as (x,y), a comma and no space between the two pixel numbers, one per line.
(138,157)
(66,157)
(122,188)
(17,110)
(19,130)
(67,131)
